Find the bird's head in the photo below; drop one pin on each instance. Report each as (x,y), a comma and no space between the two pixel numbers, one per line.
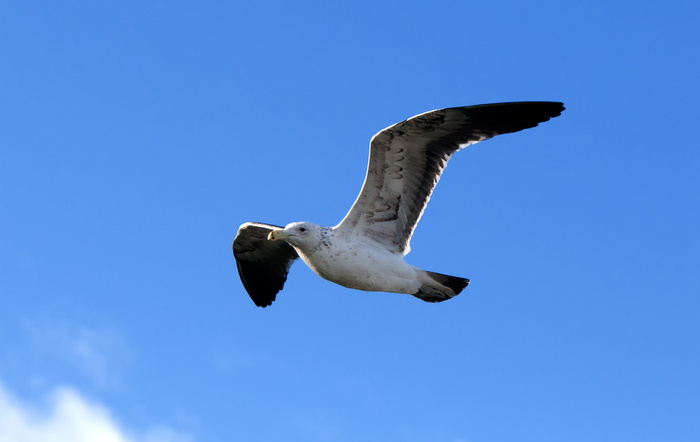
(297,234)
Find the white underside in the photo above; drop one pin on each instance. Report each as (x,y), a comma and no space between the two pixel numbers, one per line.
(358,265)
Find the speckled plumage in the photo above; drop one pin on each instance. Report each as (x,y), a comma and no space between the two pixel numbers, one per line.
(365,250)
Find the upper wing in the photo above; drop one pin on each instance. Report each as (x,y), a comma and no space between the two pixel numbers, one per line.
(406,160)
(262,265)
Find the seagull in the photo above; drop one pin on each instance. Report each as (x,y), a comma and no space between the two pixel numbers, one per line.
(366,250)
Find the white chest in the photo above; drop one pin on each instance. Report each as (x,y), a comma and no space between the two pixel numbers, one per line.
(360,267)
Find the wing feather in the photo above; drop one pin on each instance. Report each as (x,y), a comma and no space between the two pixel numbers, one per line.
(262,264)
(407,159)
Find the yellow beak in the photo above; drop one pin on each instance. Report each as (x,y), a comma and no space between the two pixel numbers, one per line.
(277,235)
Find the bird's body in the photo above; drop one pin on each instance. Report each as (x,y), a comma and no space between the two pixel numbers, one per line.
(351,261)
(365,250)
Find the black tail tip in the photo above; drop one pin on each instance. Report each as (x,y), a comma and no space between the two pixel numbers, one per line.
(454,283)
(449,287)
(457,284)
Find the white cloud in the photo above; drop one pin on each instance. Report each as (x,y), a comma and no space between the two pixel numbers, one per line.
(65,416)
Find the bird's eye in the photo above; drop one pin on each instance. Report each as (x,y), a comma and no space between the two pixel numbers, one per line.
(302,229)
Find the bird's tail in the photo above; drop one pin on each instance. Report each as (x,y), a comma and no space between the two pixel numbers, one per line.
(437,287)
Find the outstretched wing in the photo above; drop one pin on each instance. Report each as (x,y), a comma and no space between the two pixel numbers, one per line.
(262,265)
(406,160)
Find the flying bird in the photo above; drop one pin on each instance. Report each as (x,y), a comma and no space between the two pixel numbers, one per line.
(365,250)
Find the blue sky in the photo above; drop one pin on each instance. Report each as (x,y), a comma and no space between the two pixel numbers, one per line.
(136,138)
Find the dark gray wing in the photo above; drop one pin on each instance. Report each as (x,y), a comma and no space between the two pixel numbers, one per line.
(406,160)
(262,264)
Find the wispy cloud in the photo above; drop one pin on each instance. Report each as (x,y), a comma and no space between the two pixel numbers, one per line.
(98,353)
(65,415)
(92,349)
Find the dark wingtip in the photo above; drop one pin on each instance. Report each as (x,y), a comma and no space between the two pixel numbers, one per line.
(262,265)
(503,118)
(557,108)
